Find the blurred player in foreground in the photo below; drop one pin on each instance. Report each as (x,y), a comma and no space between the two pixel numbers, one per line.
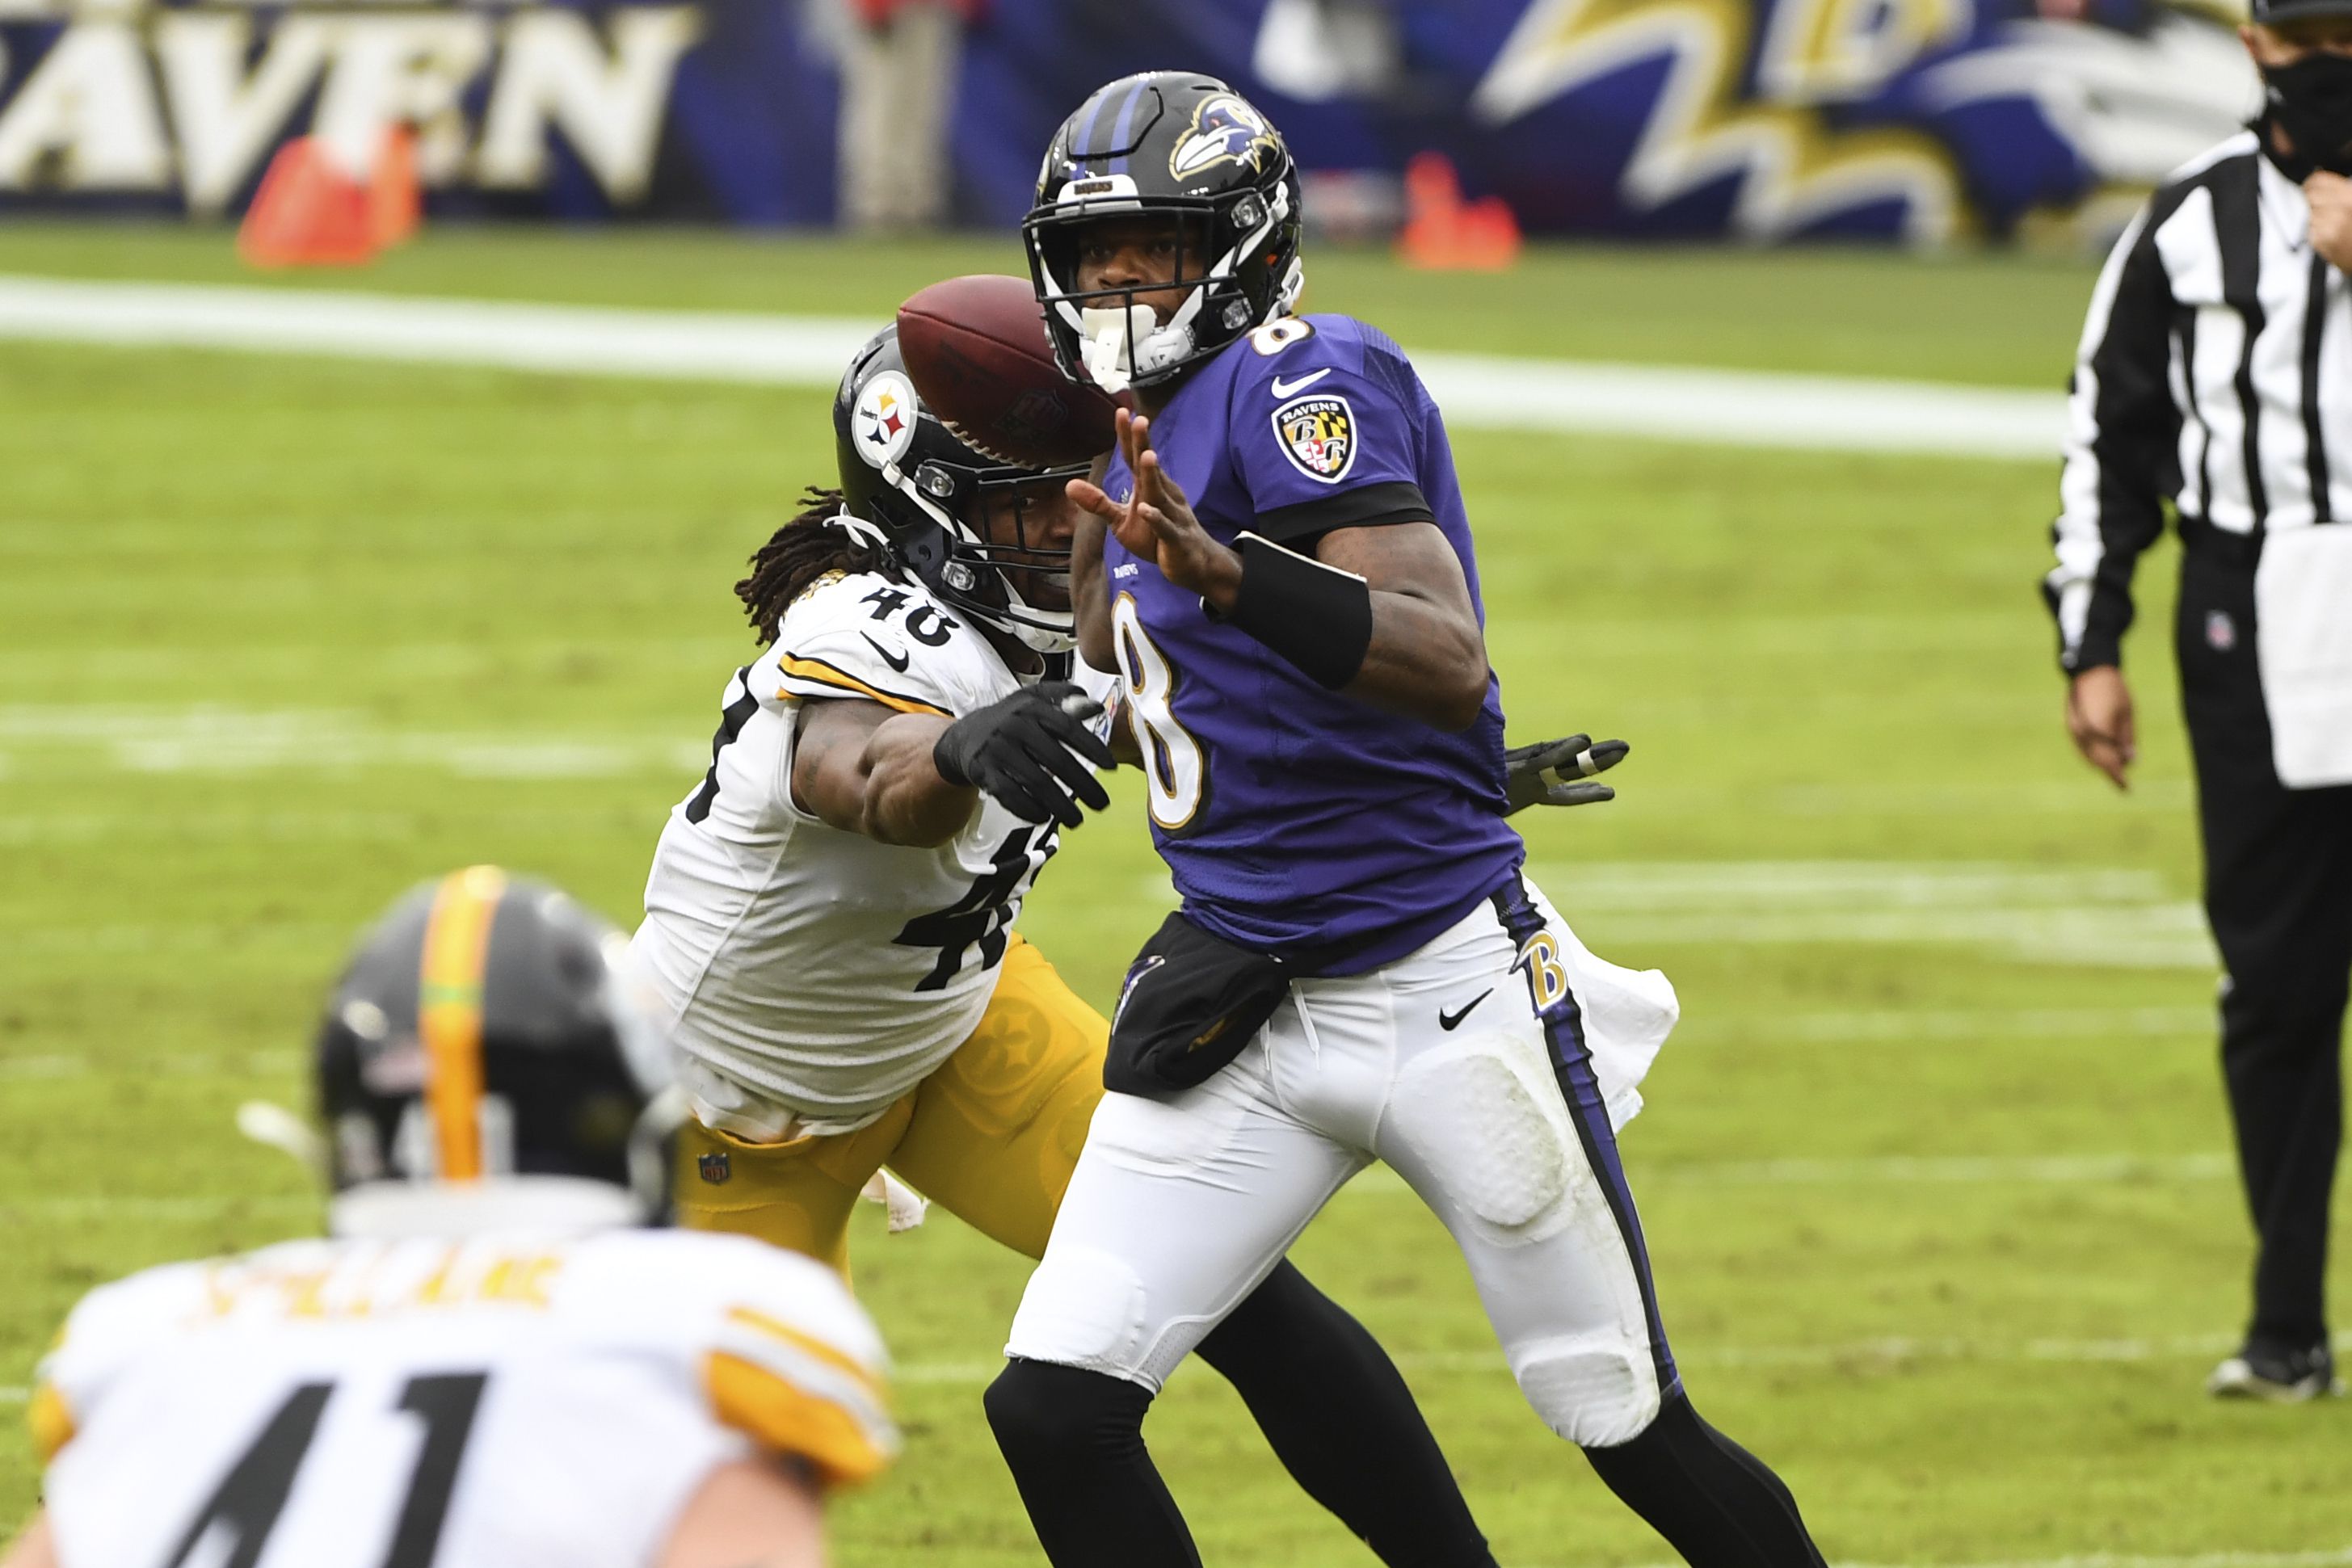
(1358,971)
(829,922)
(494,1363)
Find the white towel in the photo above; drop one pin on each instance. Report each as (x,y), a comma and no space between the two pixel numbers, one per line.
(907,1205)
(2302,624)
(1628,1013)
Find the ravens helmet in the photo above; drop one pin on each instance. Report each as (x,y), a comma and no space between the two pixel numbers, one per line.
(903,471)
(1189,148)
(483,1062)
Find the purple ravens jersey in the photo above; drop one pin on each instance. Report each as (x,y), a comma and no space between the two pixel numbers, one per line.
(1295,818)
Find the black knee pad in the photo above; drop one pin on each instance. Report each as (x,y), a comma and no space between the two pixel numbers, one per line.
(1039,1410)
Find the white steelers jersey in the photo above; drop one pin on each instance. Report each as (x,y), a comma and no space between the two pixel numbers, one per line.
(809,976)
(501,1402)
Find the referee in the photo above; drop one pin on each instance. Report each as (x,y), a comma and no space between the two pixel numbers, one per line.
(2216,372)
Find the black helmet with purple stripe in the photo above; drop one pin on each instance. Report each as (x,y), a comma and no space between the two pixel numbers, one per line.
(1188,148)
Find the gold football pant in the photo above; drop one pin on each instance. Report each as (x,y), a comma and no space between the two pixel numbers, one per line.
(990,1137)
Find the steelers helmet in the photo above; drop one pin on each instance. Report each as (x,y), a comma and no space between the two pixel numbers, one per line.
(1186,147)
(484,1063)
(906,473)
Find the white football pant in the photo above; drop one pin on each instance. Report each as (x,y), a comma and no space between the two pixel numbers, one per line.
(1182,1204)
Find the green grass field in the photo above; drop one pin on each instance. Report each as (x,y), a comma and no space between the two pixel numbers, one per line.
(1935,1174)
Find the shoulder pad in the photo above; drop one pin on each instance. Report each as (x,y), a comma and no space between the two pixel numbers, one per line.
(1299,355)
(787,1357)
(1290,347)
(107,1330)
(865,636)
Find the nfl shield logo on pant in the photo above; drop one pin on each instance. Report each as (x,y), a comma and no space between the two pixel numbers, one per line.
(2221,632)
(713,1167)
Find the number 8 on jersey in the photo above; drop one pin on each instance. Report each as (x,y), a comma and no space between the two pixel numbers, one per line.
(1173,762)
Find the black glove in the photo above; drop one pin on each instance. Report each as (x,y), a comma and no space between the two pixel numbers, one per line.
(1032,751)
(1542,773)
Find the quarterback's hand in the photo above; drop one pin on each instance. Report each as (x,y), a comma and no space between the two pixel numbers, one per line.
(1548,773)
(1033,751)
(1157,522)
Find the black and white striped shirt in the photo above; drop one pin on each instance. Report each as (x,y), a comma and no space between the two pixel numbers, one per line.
(2215,371)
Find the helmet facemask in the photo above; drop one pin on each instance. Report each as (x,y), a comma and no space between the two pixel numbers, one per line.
(1002,584)
(908,473)
(1110,335)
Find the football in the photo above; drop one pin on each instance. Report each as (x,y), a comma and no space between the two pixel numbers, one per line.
(977,351)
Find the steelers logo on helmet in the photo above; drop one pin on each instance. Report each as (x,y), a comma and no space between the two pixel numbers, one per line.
(1318,436)
(1225,128)
(882,422)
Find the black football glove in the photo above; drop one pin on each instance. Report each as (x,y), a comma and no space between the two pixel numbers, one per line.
(1032,751)
(1545,773)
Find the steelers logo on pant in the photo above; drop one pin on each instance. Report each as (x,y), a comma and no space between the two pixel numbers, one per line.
(1318,436)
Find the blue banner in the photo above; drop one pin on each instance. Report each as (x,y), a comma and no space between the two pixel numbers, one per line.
(1918,120)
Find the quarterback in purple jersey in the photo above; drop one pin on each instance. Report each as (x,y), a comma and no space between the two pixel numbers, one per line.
(1313,436)
(1281,571)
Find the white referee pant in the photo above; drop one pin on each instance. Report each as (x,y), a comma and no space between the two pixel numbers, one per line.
(1182,1204)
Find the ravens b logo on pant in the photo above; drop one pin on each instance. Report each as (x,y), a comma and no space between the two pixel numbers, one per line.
(1546,975)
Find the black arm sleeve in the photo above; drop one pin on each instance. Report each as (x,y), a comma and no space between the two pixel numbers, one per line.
(1365,507)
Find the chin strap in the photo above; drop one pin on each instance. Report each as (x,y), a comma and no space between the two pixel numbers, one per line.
(858,528)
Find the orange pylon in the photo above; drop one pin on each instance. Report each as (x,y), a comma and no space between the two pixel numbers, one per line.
(1442,232)
(395,204)
(312,212)
(308,213)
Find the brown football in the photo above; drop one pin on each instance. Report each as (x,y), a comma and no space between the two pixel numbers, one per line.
(976,352)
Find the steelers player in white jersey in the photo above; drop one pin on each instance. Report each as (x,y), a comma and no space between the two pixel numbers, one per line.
(829,920)
(496,1362)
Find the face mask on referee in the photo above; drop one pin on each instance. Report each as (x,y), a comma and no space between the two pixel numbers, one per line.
(2311,101)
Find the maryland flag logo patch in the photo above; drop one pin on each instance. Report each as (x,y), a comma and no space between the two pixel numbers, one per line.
(1318,436)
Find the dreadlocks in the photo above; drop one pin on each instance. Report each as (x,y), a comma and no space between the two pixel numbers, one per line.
(803,550)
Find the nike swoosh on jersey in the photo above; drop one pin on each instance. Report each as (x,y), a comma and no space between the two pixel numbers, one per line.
(1284,389)
(895,660)
(1446,1020)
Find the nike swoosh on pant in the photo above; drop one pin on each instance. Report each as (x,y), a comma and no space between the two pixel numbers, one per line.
(1446,1020)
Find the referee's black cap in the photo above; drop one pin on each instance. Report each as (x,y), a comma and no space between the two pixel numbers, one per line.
(2262,13)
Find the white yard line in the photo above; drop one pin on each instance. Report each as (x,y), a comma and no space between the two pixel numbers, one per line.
(191,936)
(1823,1027)
(2124,918)
(1739,408)
(208,738)
(1955,1170)
(1837,885)
(2022,1023)
(78,1210)
(1905,1170)
(689,345)
(2156,936)
(1857,1354)
(1743,407)
(179,1064)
